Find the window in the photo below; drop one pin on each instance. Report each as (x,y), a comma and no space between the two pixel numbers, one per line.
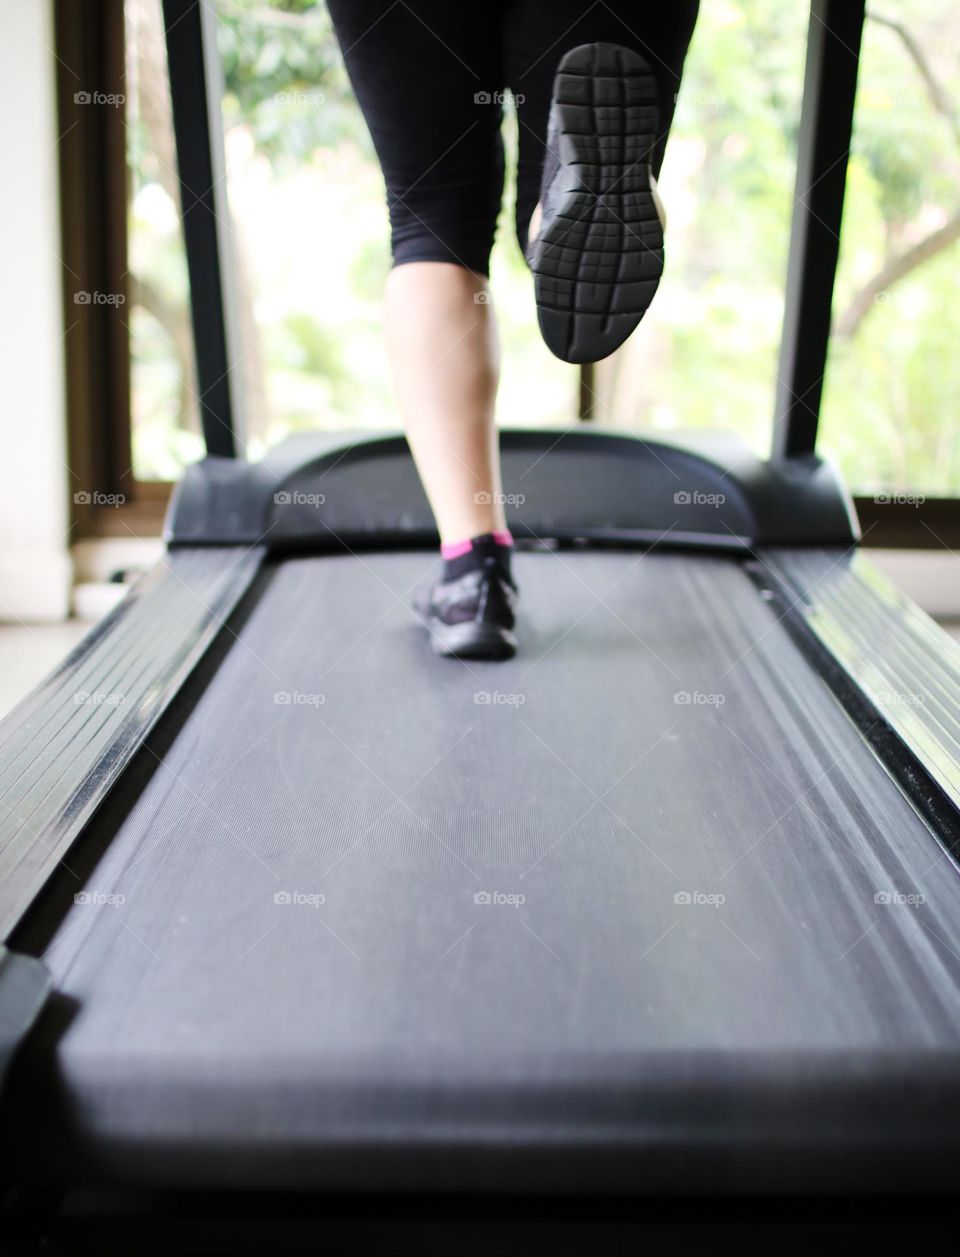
(706,354)
(310,247)
(890,407)
(165,417)
(311,253)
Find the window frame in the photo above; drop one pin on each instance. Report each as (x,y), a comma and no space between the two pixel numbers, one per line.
(94,207)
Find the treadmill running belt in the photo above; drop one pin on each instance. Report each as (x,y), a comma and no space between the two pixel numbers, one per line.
(637,905)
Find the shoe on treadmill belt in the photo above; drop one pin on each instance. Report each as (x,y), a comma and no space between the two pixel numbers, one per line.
(597,256)
(473,617)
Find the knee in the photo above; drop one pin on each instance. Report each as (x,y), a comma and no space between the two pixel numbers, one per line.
(453,219)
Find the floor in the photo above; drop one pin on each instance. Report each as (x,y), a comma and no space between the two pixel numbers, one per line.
(28,652)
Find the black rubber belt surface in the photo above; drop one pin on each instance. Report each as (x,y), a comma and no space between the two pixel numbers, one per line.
(638,908)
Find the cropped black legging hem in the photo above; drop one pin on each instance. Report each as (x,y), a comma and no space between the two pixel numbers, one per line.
(430,77)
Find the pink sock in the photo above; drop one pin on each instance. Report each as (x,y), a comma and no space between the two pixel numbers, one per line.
(455,549)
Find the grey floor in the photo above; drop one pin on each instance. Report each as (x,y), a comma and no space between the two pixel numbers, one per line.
(29,651)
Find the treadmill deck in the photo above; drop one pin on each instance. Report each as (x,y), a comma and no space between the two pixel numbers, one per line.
(640,902)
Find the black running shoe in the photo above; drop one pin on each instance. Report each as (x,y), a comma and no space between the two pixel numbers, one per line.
(598,255)
(473,617)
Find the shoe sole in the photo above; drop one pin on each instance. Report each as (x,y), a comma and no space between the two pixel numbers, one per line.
(597,260)
(472,641)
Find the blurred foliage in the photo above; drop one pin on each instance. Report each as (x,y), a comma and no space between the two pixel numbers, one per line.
(890,408)
(278,58)
(307,196)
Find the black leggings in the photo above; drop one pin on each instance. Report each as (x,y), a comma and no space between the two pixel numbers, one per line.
(430,76)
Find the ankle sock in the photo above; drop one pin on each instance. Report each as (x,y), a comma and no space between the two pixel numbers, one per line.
(460,557)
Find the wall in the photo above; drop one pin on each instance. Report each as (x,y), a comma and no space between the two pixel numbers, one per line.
(35,567)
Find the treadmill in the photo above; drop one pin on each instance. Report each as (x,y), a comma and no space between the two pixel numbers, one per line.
(652,932)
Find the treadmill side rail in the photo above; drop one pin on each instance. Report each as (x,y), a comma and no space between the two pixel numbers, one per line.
(896,671)
(64,746)
(703,490)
